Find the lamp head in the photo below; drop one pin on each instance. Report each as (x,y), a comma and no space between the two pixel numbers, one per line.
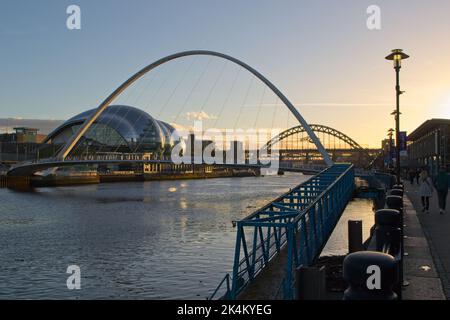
(397,55)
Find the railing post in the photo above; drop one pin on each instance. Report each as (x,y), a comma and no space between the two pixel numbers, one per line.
(237,254)
(320,219)
(290,262)
(313,228)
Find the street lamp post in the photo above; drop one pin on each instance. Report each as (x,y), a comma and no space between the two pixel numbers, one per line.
(397,55)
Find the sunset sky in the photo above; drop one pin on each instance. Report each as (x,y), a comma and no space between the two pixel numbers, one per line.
(319,53)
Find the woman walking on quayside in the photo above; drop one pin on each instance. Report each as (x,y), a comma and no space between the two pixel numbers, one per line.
(425,190)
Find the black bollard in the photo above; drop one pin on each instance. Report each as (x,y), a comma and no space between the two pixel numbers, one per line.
(396,192)
(387,231)
(398,186)
(395,202)
(370,276)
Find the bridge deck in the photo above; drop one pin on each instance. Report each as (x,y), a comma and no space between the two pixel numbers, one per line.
(29,168)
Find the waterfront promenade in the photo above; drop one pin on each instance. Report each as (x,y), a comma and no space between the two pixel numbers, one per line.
(426,275)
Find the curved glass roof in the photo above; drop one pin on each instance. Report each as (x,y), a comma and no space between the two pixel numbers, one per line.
(135,127)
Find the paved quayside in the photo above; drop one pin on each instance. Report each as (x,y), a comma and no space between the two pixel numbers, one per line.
(427,264)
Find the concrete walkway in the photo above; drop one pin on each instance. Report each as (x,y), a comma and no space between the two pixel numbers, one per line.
(426,275)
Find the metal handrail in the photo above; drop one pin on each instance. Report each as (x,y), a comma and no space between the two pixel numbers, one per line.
(326,191)
(302,228)
(226,280)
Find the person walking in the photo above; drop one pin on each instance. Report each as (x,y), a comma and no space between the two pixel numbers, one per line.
(442,184)
(425,190)
(411,174)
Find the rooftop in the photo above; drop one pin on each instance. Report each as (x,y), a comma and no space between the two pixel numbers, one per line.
(426,127)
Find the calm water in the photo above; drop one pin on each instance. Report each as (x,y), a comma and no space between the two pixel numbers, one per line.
(152,240)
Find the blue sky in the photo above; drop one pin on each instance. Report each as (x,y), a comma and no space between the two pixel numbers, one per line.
(319,53)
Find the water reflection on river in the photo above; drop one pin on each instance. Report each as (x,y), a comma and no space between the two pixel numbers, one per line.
(152,240)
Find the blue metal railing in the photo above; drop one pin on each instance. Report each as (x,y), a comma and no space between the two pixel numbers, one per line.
(225,295)
(300,222)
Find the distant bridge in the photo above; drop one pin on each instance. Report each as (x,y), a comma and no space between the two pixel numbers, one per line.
(294,147)
(317,128)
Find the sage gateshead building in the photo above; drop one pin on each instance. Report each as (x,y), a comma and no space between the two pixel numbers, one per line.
(119,128)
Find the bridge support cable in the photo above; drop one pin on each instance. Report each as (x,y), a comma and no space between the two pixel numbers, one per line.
(139,95)
(297,225)
(194,87)
(169,98)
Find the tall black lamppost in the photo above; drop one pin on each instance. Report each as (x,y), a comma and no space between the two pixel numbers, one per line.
(397,55)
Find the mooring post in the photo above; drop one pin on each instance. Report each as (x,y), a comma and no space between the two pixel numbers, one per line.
(396,202)
(396,192)
(387,230)
(370,275)
(355,236)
